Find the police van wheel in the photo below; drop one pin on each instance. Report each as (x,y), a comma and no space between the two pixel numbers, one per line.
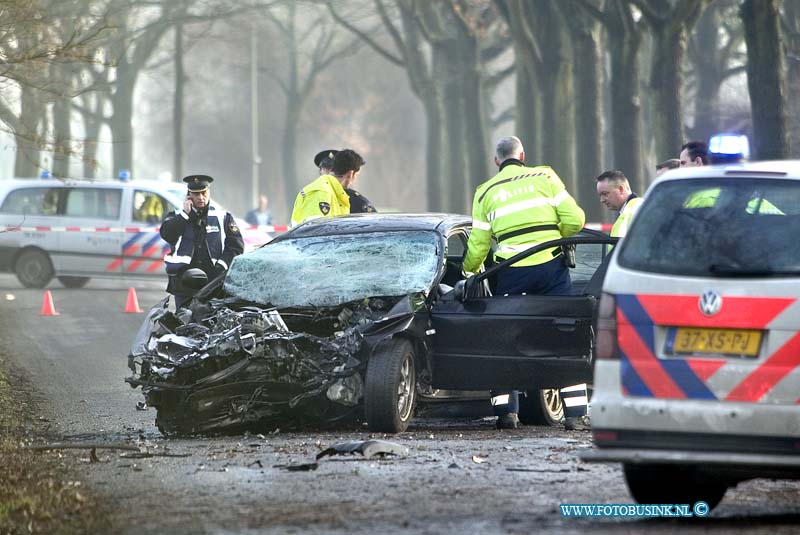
(73,282)
(33,269)
(390,392)
(655,483)
(541,407)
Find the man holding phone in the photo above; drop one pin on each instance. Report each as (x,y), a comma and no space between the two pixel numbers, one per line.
(200,236)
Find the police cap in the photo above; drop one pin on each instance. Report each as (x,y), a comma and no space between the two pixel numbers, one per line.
(325,157)
(197,183)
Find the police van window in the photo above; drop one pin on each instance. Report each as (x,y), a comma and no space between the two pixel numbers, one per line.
(31,201)
(94,203)
(717,227)
(148,207)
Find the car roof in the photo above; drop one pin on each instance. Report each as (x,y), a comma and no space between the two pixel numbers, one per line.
(86,182)
(789,169)
(376,222)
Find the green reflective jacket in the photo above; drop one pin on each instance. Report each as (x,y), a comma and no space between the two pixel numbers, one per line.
(325,197)
(622,223)
(516,198)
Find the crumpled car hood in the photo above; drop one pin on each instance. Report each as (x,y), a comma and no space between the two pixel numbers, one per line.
(225,365)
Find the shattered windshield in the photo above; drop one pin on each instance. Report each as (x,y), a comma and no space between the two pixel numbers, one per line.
(331,270)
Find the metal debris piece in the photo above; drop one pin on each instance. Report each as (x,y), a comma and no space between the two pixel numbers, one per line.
(538,470)
(305,467)
(368,448)
(79,445)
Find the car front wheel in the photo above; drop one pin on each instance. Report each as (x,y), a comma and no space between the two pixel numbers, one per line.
(653,483)
(390,392)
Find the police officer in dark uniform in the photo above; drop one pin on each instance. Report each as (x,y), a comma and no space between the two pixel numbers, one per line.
(358,203)
(200,236)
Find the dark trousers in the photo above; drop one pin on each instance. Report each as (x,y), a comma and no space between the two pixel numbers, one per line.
(550,278)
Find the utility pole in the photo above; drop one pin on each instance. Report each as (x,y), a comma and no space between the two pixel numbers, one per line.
(254,112)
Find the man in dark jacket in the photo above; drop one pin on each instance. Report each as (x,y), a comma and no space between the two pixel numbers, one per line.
(200,236)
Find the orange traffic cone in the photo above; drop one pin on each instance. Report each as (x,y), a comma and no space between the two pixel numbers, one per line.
(132,305)
(48,308)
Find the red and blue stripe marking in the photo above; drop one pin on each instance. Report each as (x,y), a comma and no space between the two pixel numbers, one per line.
(643,374)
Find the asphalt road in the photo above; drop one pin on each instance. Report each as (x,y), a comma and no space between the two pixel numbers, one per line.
(461,476)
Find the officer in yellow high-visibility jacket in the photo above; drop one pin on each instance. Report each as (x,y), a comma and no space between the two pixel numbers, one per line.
(326,196)
(522,207)
(615,193)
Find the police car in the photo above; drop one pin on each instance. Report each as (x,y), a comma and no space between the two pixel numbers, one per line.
(78,229)
(697,377)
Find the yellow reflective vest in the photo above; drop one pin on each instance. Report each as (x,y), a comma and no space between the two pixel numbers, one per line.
(620,227)
(707,198)
(325,197)
(522,207)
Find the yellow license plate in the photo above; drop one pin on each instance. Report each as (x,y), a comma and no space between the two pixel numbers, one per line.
(740,342)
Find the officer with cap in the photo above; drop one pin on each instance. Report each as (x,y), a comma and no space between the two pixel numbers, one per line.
(200,236)
(326,196)
(358,203)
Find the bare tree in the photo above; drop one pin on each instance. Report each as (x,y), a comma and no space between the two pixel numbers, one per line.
(625,33)
(716,55)
(40,39)
(310,47)
(766,78)
(670,22)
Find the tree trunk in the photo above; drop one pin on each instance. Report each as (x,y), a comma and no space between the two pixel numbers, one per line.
(91,128)
(526,124)
(177,105)
(666,80)
(62,137)
(588,73)
(626,108)
(765,78)
(121,122)
(27,161)
(706,105)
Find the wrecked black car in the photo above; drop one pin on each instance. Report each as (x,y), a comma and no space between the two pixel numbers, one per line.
(358,317)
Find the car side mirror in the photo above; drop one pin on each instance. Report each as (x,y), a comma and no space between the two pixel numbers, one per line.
(458,290)
(194,278)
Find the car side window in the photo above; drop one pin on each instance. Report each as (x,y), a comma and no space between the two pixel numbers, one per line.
(31,201)
(588,257)
(94,203)
(148,207)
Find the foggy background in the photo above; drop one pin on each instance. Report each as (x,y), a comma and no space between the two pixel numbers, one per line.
(421,89)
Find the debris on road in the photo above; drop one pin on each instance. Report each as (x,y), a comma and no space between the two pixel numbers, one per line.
(368,448)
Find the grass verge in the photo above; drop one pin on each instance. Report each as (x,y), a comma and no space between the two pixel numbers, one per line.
(38,489)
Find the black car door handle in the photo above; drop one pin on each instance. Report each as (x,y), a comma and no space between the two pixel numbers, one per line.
(565,324)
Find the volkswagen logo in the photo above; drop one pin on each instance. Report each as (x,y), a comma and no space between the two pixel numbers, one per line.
(710,302)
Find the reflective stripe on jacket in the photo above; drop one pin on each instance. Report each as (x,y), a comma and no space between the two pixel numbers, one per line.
(517,198)
(325,197)
(622,223)
(178,231)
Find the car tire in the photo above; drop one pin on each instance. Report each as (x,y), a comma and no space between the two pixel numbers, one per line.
(390,390)
(649,483)
(73,282)
(541,407)
(34,269)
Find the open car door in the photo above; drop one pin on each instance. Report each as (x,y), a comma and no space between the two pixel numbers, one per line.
(521,342)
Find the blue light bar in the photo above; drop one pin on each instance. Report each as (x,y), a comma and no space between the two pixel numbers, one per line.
(727,147)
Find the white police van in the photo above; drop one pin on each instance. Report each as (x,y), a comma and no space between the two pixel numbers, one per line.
(79,229)
(697,377)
